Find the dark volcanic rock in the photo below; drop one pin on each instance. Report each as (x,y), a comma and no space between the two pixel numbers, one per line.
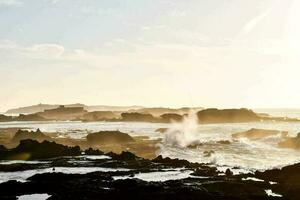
(91,151)
(108,137)
(173,162)
(205,183)
(30,150)
(124,156)
(33,135)
(288,179)
(2,148)
(227,116)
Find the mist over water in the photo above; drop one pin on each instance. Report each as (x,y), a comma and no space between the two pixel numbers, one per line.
(183,134)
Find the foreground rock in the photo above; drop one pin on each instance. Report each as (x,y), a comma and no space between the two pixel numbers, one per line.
(108,137)
(203,182)
(287,180)
(255,134)
(31,150)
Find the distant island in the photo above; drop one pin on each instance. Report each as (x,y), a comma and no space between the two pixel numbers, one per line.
(84,113)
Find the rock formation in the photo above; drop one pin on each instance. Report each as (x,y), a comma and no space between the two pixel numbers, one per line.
(108,137)
(31,150)
(171,117)
(227,116)
(291,142)
(137,117)
(4,118)
(33,135)
(255,134)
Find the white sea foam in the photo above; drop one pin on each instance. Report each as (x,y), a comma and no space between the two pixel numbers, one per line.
(34,197)
(272,194)
(160,176)
(23,175)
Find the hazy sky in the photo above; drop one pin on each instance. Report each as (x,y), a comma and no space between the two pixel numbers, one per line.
(212,53)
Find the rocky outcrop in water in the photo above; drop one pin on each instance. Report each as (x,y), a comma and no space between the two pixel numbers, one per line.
(291,142)
(171,117)
(108,137)
(255,134)
(137,117)
(33,135)
(4,118)
(227,116)
(99,116)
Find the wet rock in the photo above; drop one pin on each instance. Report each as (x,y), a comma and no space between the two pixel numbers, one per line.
(108,137)
(91,151)
(124,156)
(205,171)
(228,173)
(173,162)
(287,179)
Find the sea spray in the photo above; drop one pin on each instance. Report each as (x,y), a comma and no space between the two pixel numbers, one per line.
(183,134)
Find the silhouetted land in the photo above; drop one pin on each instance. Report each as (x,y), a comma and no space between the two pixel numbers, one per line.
(152,115)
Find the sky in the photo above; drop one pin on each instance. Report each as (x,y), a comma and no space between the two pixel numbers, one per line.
(210,53)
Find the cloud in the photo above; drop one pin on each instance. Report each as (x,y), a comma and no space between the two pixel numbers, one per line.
(250,25)
(9,3)
(36,51)
(45,50)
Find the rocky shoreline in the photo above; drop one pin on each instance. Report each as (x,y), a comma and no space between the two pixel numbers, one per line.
(116,176)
